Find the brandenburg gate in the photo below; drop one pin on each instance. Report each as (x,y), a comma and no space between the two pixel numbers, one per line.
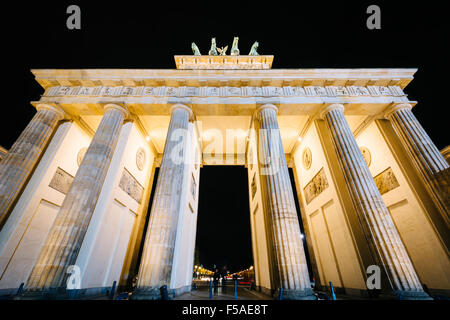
(372,186)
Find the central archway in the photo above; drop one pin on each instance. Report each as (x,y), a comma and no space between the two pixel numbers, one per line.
(224,228)
(223,222)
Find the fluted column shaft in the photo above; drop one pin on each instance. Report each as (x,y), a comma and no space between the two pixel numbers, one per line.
(285,229)
(20,160)
(431,163)
(157,259)
(66,235)
(376,221)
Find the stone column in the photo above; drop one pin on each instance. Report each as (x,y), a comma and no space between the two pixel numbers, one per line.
(23,156)
(156,263)
(377,224)
(430,162)
(64,240)
(290,260)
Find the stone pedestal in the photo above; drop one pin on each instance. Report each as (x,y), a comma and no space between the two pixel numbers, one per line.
(285,231)
(64,240)
(156,263)
(21,159)
(430,162)
(377,224)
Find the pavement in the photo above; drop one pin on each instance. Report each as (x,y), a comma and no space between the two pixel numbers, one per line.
(223,293)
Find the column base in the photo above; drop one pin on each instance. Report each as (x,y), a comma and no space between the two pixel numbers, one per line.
(403,295)
(64,294)
(146,294)
(151,293)
(307,294)
(266,291)
(412,295)
(49,294)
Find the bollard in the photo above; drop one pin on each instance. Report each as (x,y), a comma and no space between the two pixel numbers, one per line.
(113,290)
(72,294)
(20,290)
(235,289)
(210,290)
(280,296)
(164,293)
(332,291)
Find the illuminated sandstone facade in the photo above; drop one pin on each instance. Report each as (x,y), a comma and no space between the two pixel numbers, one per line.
(372,187)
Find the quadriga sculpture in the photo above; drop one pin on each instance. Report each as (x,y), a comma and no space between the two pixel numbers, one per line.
(234,49)
(213,49)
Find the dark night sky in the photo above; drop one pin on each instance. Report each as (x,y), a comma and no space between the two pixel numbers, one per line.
(304,35)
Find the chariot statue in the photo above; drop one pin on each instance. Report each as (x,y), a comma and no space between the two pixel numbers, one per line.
(234,49)
(253,49)
(195,49)
(213,49)
(223,50)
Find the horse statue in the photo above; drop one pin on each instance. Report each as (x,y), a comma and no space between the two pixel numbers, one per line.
(195,49)
(222,51)
(253,49)
(213,49)
(234,49)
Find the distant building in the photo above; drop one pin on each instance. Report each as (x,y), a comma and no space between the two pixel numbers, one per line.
(3,152)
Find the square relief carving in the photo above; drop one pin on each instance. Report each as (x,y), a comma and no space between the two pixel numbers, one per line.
(61,181)
(315,186)
(131,186)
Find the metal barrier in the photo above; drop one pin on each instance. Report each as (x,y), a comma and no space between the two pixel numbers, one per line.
(113,291)
(332,291)
(280,295)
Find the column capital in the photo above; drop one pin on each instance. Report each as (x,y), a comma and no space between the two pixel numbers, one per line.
(329,108)
(123,109)
(265,106)
(60,112)
(182,106)
(391,109)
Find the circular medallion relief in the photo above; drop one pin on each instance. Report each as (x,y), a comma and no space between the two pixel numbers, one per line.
(307,158)
(140,158)
(80,155)
(366,154)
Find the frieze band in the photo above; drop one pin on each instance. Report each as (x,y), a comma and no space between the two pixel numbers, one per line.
(225,91)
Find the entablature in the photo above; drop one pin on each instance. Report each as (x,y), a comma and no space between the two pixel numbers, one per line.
(226,100)
(221,78)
